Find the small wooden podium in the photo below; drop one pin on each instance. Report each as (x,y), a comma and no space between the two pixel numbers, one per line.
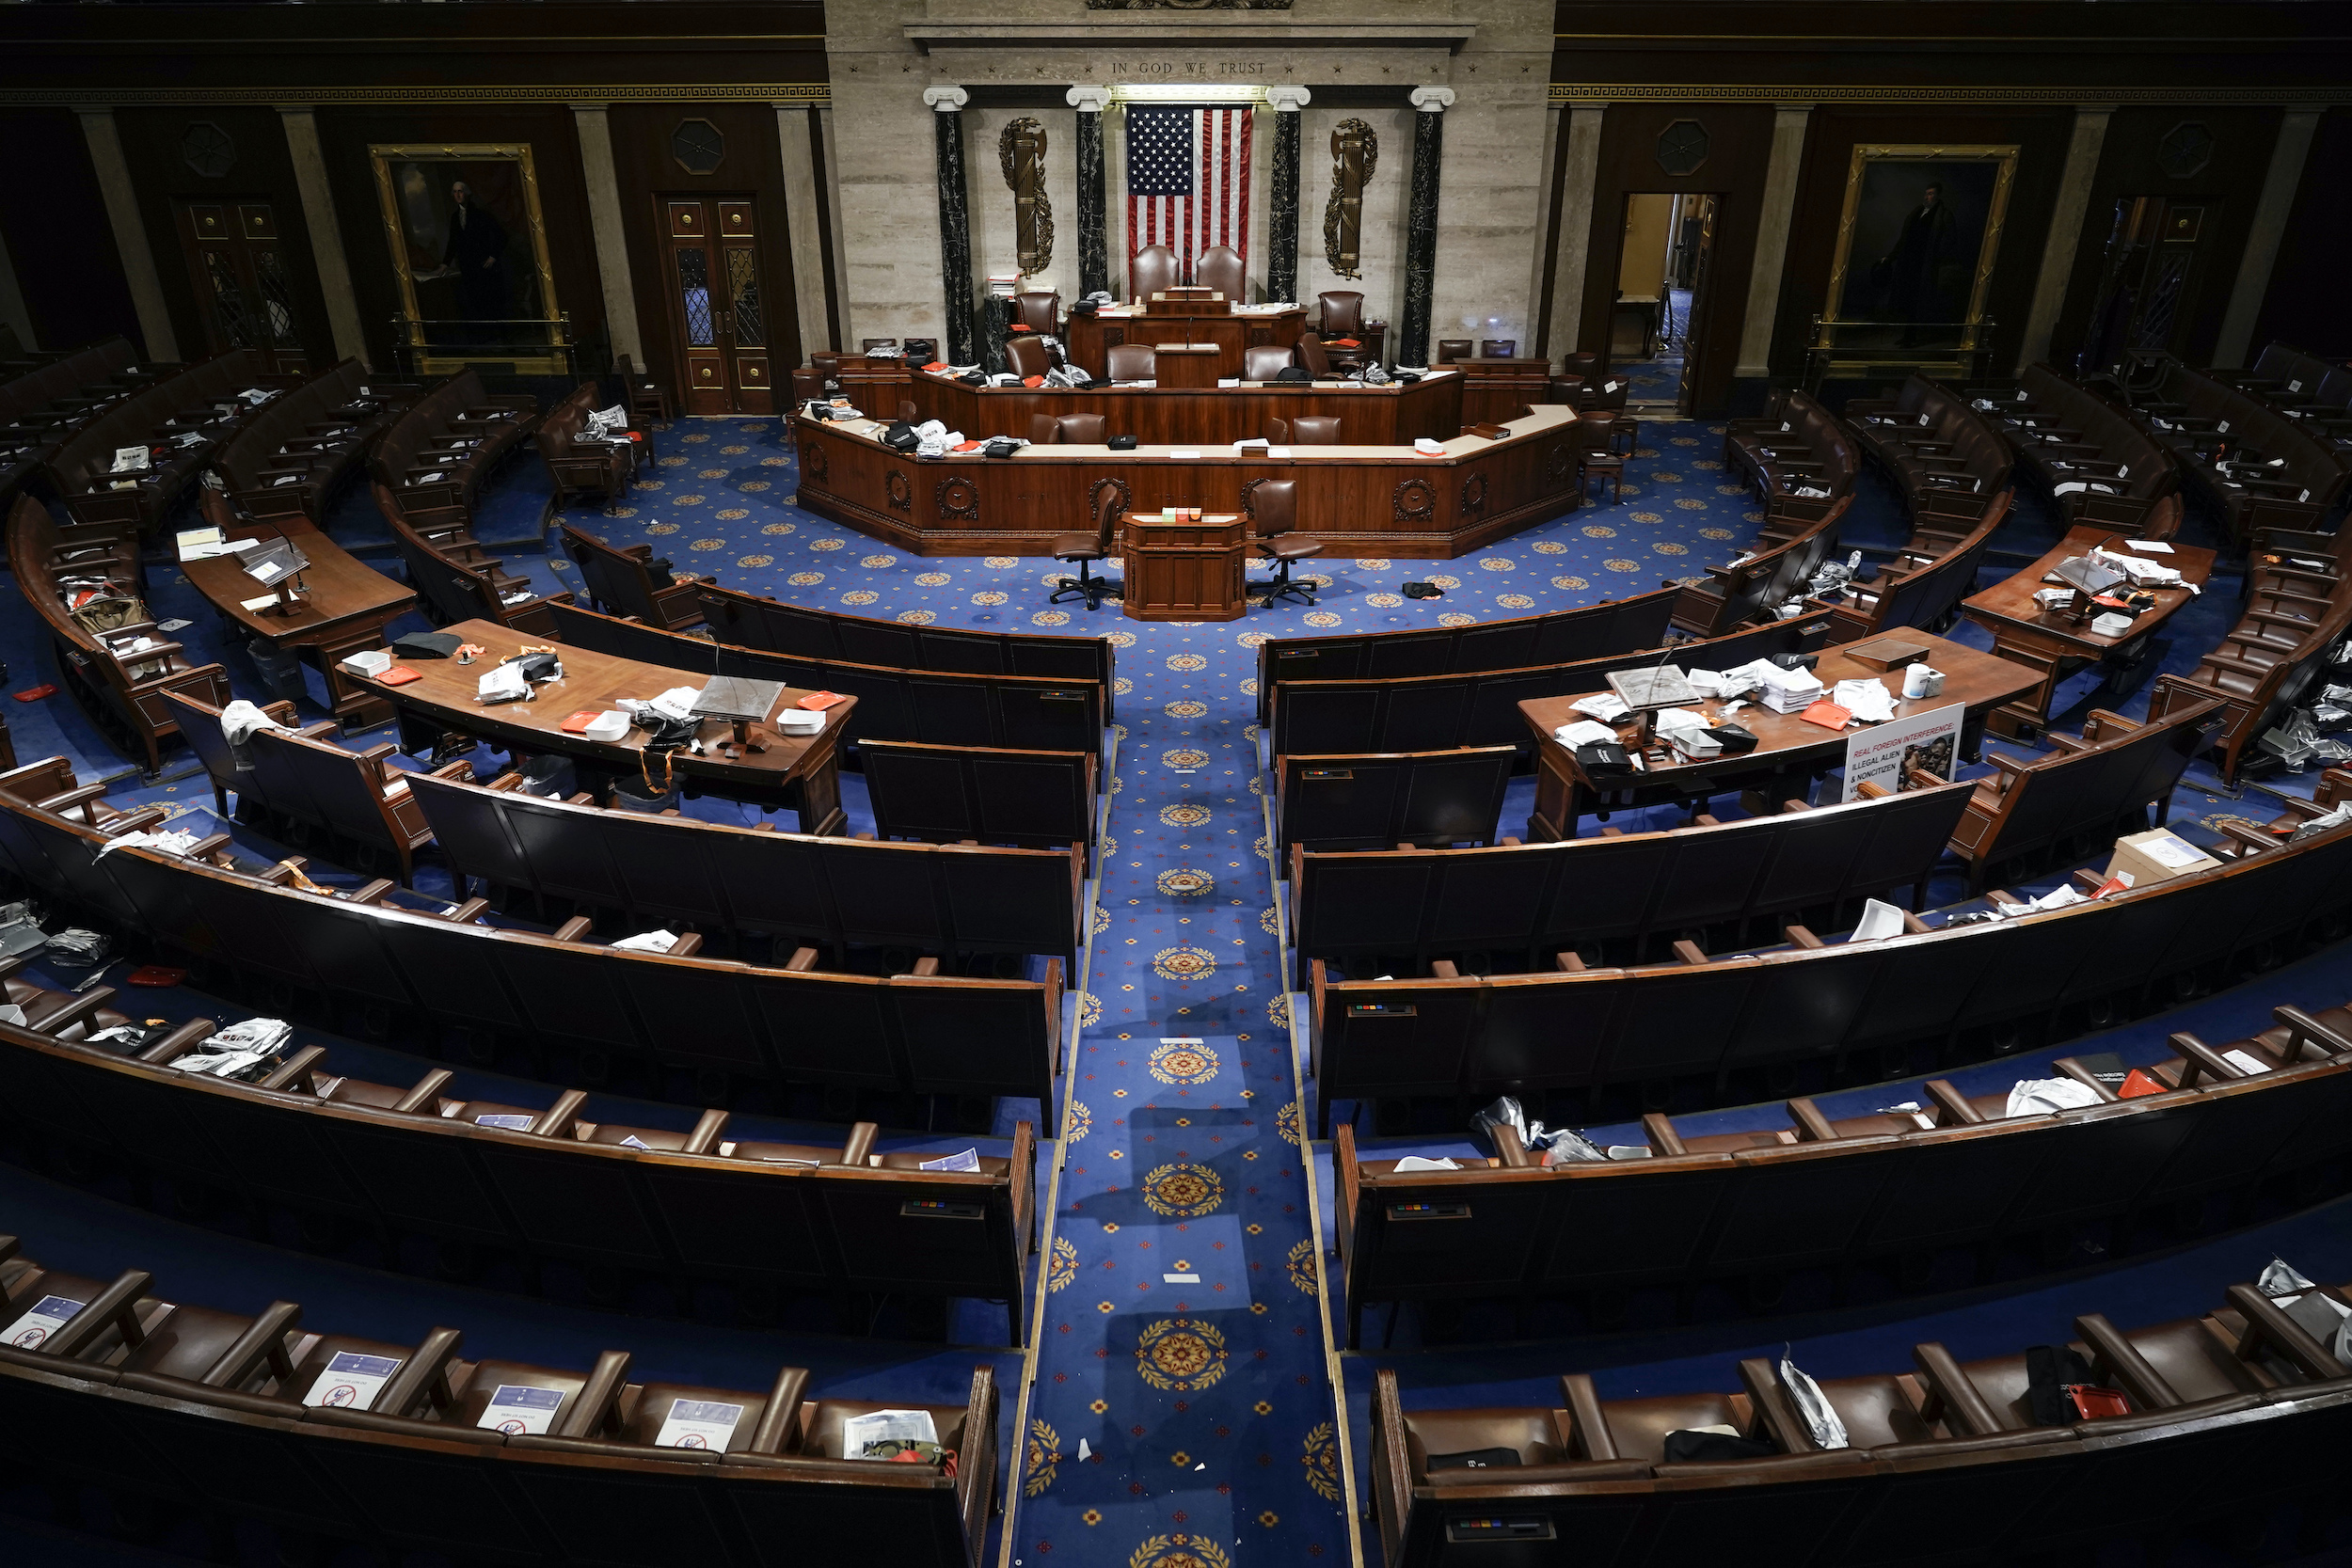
(1187,571)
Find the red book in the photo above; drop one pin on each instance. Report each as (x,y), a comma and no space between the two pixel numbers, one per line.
(1032,381)
(1346,342)
(817,701)
(1016,326)
(35,693)
(579,721)
(399,674)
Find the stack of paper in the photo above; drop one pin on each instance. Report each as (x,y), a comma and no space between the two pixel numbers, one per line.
(1789,690)
(1584,732)
(1686,731)
(1603,705)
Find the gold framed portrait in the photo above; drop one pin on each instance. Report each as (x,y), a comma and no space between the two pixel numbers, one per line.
(1920,234)
(469,250)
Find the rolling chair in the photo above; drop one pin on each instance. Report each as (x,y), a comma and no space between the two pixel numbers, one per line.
(1221,267)
(1306,430)
(1087,548)
(1055,430)
(1264,362)
(1272,505)
(1152,270)
(1038,312)
(1132,363)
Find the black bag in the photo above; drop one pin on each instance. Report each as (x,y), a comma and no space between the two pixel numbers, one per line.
(900,436)
(1476,1458)
(1294,373)
(976,379)
(1702,1447)
(1796,661)
(1001,445)
(665,734)
(550,776)
(427,645)
(1121,443)
(536,667)
(1604,761)
(1736,739)
(1423,590)
(921,351)
(2050,1371)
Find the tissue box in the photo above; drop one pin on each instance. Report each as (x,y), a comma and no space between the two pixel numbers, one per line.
(609,725)
(796,721)
(2155,855)
(2112,625)
(369,662)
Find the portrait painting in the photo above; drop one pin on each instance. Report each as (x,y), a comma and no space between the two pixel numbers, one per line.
(1920,233)
(467,242)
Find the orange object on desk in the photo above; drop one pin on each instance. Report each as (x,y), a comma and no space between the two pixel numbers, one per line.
(399,674)
(1827,713)
(817,701)
(2139,1082)
(579,723)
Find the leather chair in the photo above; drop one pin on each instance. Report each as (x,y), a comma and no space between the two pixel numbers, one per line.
(1264,362)
(1132,363)
(1086,549)
(1049,429)
(808,387)
(908,412)
(1343,317)
(1221,267)
(1152,270)
(868,345)
(1025,355)
(1499,348)
(1039,311)
(1273,508)
(1451,349)
(1316,358)
(1306,430)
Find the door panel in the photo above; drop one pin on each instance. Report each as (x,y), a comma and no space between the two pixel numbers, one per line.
(718,309)
(237,266)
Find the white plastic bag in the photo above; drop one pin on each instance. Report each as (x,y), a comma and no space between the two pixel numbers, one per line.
(1813,1409)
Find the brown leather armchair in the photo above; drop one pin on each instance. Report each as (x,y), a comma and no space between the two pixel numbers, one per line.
(1040,311)
(1152,270)
(1085,430)
(1306,430)
(1343,314)
(1025,355)
(1497,348)
(1087,548)
(1221,267)
(1316,358)
(1451,349)
(1265,361)
(1272,505)
(1132,363)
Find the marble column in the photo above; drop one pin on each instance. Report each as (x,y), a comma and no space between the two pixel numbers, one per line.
(1281,272)
(1580,168)
(1771,241)
(603,180)
(1094,262)
(804,232)
(955,218)
(327,234)
(123,214)
(1420,224)
(2271,211)
(2066,232)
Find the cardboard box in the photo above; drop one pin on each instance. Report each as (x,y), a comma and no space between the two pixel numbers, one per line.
(2155,855)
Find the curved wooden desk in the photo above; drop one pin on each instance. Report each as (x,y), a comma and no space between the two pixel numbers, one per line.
(343,610)
(802,770)
(1372,501)
(1392,416)
(1231,328)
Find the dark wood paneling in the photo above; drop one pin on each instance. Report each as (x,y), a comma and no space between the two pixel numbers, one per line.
(60,241)
(345,133)
(152,140)
(1740,147)
(2229,186)
(2040,137)
(753,166)
(2308,304)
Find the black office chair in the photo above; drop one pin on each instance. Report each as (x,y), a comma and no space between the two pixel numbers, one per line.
(1087,548)
(1272,506)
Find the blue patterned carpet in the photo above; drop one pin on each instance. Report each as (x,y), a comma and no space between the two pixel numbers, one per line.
(1181,1339)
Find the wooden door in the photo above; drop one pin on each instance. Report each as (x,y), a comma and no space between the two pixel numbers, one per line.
(1701,264)
(718,311)
(237,266)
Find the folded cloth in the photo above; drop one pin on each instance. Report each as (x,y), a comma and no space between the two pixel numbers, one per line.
(238,721)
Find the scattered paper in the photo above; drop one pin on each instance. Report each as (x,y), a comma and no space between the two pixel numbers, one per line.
(351,1380)
(2150,547)
(516,1410)
(699,1424)
(967,1160)
(2246,1062)
(2034,1096)
(1415,1162)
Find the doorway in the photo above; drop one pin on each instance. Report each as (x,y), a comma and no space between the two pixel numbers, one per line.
(2148,285)
(718,314)
(1662,265)
(237,266)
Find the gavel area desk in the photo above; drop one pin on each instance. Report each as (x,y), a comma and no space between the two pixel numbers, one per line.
(794,770)
(1088,340)
(1187,571)
(1359,500)
(344,610)
(1203,413)
(1787,749)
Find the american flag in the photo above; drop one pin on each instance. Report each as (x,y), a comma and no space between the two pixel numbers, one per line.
(1187,179)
